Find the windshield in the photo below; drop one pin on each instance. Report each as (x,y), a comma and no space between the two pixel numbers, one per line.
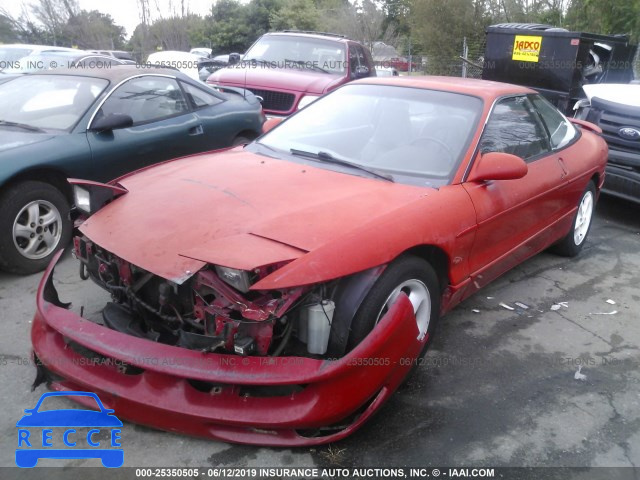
(289,51)
(411,135)
(48,102)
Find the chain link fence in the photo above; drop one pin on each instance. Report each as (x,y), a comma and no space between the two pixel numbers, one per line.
(465,61)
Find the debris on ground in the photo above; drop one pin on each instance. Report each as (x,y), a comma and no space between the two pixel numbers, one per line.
(578,375)
(522,305)
(490,298)
(504,305)
(475,310)
(611,302)
(604,313)
(557,306)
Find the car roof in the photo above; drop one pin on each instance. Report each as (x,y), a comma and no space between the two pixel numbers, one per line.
(484,89)
(115,73)
(319,35)
(30,46)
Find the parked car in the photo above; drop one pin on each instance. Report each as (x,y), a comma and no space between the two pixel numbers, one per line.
(201,52)
(185,62)
(206,66)
(76,59)
(615,108)
(299,278)
(291,69)
(119,54)
(386,72)
(401,64)
(10,54)
(98,124)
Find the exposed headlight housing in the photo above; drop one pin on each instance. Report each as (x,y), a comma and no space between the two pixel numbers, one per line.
(82,198)
(307,100)
(238,279)
(89,197)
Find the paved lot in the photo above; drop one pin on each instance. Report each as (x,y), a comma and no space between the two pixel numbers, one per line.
(496,389)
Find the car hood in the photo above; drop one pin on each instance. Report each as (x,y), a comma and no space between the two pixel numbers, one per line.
(236,209)
(306,81)
(623,93)
(12,138)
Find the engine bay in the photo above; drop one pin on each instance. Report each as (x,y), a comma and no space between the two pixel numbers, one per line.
(213,311)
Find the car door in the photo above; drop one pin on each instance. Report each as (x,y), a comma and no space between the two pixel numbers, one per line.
(563,136)
(163,127)
(515,217)
(220,121)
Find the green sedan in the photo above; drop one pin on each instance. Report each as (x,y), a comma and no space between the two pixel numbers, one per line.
(98,124)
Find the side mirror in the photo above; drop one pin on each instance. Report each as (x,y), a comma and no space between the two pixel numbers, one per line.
(270,124)
(234,58)
(362,72)
(112,121)
(498,166)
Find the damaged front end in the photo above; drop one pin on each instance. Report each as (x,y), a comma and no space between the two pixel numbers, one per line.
(212,311)
(211,357)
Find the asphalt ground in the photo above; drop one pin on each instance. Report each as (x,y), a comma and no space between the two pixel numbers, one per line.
(497,388)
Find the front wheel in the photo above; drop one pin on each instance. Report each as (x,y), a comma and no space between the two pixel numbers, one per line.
(34,225)
(240,140)
(573,242)
(418,281)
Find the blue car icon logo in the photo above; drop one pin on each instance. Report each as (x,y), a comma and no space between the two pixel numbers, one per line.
(41,434)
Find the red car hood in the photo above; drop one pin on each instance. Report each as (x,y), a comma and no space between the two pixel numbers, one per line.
(306,81)
(236,209)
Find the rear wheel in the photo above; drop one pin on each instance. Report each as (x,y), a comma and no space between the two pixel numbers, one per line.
(573,242)
(34,224)
(418,281)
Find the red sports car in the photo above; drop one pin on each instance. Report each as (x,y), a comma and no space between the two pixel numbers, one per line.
(278,293)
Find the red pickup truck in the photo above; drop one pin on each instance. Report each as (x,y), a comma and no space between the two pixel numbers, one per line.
(291,69)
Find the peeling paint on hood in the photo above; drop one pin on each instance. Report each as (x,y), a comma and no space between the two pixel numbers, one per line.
(203,205)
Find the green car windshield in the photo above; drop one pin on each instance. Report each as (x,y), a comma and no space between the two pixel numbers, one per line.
(48,102)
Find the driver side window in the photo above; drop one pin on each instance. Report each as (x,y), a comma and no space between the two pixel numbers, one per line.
(513,128)
(146,99)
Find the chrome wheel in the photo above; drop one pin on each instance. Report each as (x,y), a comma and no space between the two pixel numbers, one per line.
(420,299)
(583,218)
(37,229)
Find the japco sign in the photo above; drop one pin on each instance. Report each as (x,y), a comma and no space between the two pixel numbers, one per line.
(526,48)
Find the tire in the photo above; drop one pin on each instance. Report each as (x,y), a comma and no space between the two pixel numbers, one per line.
(410,274)
(34,225)
(240,140)
(572,243)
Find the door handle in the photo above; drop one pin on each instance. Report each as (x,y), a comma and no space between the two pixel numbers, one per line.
(565,171)
(197,130)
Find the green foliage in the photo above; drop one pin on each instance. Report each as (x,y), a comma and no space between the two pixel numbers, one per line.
(93,30)
(295,15)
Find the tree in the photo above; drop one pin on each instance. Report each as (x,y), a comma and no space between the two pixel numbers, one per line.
(610,17)
(295,15)
(93,30)
(8,32)
(54,15)
(441,25)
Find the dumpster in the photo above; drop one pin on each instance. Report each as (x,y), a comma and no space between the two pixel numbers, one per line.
(555,61)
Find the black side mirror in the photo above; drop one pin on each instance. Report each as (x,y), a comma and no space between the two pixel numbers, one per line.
(234,58)
(112,121)
(362,72)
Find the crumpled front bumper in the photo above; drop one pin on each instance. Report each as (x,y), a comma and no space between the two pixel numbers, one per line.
(165,390)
